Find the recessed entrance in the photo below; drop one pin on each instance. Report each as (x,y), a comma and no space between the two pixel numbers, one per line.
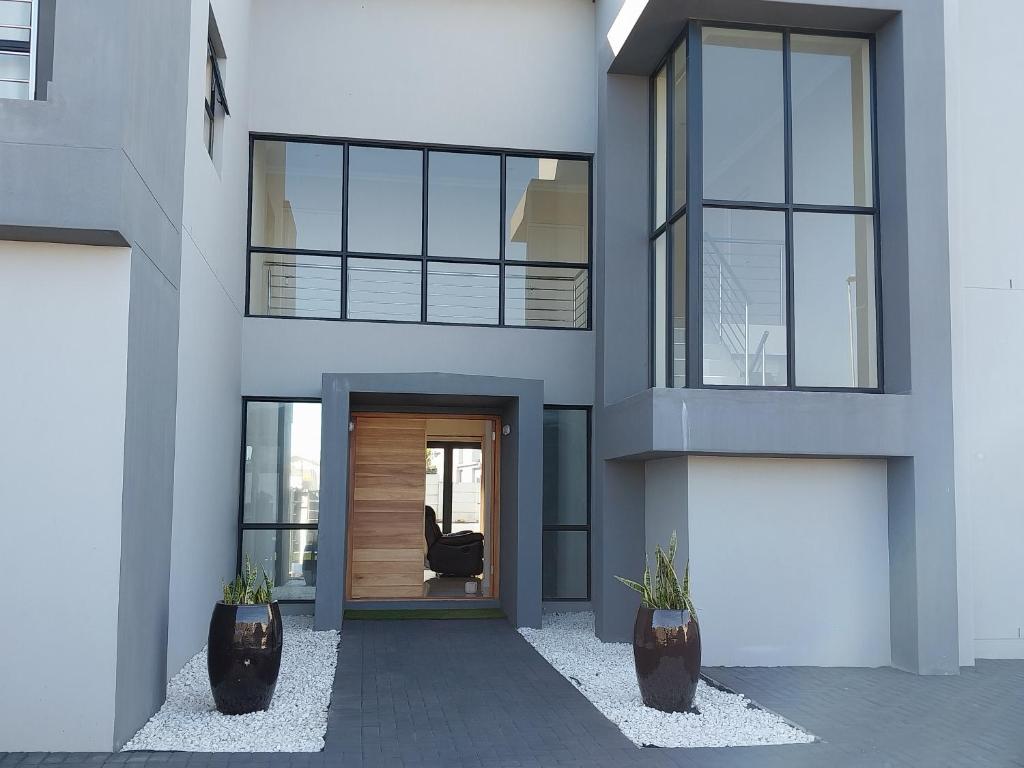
(423,507)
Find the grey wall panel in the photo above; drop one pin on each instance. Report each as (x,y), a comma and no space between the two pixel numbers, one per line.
(147,497)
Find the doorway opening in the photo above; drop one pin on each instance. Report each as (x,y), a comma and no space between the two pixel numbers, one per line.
(423,507)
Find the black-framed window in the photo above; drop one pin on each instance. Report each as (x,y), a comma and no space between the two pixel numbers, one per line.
(764,211)
(279,499)
(566,503)
(215,101)
(418,233)
(18,25)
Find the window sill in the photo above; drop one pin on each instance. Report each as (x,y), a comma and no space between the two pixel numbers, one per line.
(669,422)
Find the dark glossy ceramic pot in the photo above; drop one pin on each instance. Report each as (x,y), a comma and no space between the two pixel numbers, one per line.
(244,656)
(666,651)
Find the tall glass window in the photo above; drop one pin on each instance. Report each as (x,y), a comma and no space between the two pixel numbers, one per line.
(342,230)
(566,493)
(280,494)
(764,264)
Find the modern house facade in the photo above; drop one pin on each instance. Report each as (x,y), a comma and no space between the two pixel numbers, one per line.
(574,274)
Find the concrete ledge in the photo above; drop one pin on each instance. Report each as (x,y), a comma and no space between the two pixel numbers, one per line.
(640,39)
(66,235)
(671,422)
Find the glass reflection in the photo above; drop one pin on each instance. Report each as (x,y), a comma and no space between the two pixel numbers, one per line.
(383,289)
(464,198)
(547,209)
(743,115)
(462,293)
(546,296)
(281,481)
(286,285)
(831,86)
(835,317)
(385,200)
(296,195)
(744,297)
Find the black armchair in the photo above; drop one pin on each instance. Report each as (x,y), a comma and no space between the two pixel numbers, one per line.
(452,554)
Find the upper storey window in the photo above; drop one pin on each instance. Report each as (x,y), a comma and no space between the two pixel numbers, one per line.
(421,234)
(215,102)
(18,25)
(764,211)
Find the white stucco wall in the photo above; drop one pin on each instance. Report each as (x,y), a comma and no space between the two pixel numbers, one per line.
(205,521)
(516,75)
(64,347)
(985,106)
(789,561)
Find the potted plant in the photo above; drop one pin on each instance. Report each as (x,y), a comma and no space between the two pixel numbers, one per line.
(666,636)
(245,641)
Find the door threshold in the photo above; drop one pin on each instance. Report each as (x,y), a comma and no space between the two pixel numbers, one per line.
(390,614)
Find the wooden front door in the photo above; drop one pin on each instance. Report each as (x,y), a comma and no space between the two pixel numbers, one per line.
(387,493)
(386,513)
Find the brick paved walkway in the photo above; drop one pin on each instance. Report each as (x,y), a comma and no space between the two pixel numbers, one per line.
(415,694)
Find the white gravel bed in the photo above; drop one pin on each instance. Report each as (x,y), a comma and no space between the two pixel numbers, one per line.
(295,722)
(604,673)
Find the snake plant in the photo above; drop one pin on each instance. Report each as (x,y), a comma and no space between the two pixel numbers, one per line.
(664,591)
(248,588)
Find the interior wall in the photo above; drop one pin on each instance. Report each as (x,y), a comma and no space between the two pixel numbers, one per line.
(208,420)
(987,299)
(61,502)
(789,561)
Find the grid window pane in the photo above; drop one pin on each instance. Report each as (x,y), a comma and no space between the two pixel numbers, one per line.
(285,285)
(679,302)
(554,297)
(462,293)
(565,467)
(296,195)
(660,146)
(679,127)
(13,90)
(14,13)
(281,478)
(385,200)
(743,115)
(289,558)
(831,87)
(660,315)
(384,289)
(835,316)
(547,204)
(14,66)
(744,297)
(464,199)
(565,565)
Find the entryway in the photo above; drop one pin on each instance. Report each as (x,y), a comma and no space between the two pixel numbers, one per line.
(423,507)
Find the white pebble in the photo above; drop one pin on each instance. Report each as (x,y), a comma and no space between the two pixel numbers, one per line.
(604,673)
(297,718)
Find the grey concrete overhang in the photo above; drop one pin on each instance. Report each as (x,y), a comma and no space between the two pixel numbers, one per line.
(673,422)
(645,29)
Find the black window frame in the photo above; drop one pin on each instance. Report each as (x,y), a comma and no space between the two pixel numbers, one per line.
(694,204)
(344,254)
(243,526)
(588,526)
(216,95)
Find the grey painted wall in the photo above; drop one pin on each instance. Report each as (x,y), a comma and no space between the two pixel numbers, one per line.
(101,161)
(915,429)
(521,403)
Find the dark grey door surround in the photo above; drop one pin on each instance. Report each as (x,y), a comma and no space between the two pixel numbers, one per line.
(520,402)
(910,425)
